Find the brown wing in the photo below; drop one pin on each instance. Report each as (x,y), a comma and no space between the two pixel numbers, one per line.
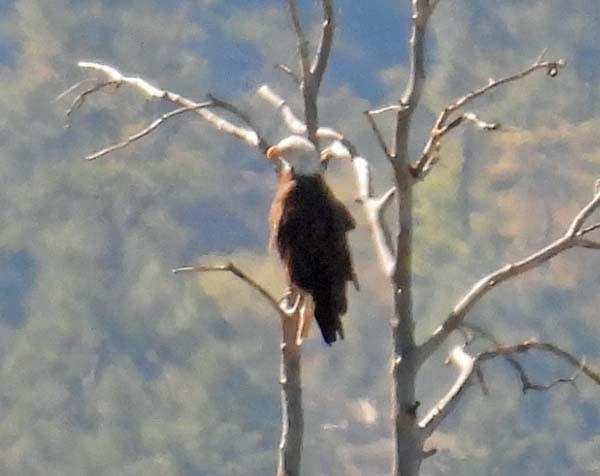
(309,227)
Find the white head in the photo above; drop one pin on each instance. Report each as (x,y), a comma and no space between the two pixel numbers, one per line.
(297,153)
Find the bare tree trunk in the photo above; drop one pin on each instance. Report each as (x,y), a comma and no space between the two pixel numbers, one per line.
(407,458)
(407,434)
(292,417)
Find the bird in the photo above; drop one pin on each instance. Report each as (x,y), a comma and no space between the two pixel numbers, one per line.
(309,227)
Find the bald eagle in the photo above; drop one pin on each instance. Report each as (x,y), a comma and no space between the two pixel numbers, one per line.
(308,228)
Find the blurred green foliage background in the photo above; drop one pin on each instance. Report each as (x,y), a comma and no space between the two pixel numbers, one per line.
(110,365)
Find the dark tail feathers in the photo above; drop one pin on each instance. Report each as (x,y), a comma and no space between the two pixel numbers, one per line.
(330,303)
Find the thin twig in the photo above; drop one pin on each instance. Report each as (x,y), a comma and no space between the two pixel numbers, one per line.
(233,269)
(381,110)
(492,84)
(80,98)
(145,131)
(77,85)
(589,229)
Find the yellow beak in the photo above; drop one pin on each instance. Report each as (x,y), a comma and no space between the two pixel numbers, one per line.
(273,152)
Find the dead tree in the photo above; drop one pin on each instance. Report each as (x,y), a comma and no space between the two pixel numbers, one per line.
(394,250)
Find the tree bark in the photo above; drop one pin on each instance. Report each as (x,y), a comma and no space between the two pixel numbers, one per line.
(292,417)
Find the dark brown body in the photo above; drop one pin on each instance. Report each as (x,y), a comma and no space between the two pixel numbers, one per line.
(308,227)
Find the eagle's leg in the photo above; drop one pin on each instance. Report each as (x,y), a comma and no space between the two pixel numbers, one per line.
(298,306)
(307,314)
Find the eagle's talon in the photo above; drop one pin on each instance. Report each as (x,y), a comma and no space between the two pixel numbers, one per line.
(285,302)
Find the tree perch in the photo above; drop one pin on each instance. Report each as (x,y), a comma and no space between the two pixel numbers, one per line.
(292,415)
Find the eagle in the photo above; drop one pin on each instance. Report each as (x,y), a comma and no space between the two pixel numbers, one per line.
(308,227)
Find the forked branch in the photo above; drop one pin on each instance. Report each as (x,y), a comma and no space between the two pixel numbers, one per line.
(421,11)
(573,238)
(313,72)
(469,366)
(248,133)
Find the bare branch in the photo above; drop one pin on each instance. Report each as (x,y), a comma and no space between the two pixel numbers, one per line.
(445,123)
(233,269)
(116,78)
(295,125)
(374,208)
(524,347)
(245,118)
(319,64)
(115,75)
(526,383)
(301,37)
(71,89)
(589,229)
(469,366)
(514,363)
(144,132)
(421,12)
(309,91)
(429,156)
(492,84)
(80,98)
(487,283)
(381,110)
